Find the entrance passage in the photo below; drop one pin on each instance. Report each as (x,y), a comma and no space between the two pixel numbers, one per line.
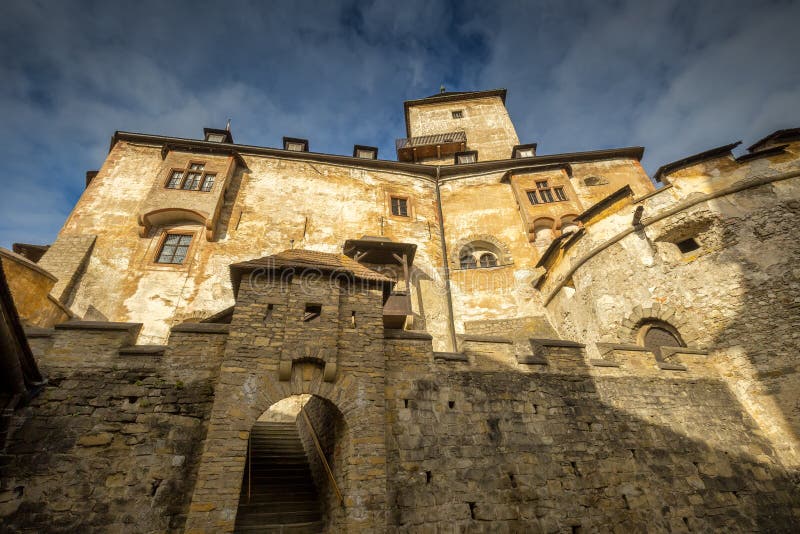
(278,490)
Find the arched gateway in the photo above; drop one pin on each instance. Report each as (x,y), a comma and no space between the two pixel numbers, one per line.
(293,333)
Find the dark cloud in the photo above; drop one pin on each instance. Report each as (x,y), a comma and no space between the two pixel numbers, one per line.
(677,77)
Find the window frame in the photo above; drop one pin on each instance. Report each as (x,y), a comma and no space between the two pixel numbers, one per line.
(406,203)
(465,153)
(457,113)
(163,242)
(544,193)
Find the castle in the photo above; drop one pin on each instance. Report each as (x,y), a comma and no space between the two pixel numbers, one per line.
(473,337)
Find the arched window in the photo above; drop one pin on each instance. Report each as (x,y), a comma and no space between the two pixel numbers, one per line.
(488,260)
(657,334)
(467,261)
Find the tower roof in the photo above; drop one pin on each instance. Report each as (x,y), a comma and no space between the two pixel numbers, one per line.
(308,260)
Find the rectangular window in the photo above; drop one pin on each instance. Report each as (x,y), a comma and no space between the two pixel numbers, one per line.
(560,195)
(400,206)
(458,114)
(547,195)
(541,185)
(192,181)
(532,197)
(215,138)
(175,180)
(312,313)
(466,157)
(174,249)
(295,147)
(208,182)
(196,167)
(525,153)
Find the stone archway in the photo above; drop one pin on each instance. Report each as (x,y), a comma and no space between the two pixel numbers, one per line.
(296,466)
(265,361)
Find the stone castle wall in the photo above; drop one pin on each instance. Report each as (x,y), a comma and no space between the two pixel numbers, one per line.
(113,441)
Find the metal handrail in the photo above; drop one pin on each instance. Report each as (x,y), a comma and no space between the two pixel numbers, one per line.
(322,456)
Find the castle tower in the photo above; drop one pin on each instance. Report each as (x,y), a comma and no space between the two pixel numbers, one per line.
(458,127)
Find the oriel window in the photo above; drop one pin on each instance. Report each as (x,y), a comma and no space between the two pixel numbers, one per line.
(193,178)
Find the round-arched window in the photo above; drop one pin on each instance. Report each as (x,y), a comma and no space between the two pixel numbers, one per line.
(467,261)
(488,260)
(659,334)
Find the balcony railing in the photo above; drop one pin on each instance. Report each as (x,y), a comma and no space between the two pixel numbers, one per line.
(430,146)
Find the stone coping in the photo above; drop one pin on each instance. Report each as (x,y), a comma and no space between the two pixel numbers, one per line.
(607,347)
(397,333)
(451,356)
(472,338)
(142,350)
(99,325)
(670,351)
(528,359)
(671,366)
(37,331)
(557,343)
(202,328)
(595,362)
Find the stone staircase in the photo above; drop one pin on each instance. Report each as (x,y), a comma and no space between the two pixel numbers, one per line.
(283,498)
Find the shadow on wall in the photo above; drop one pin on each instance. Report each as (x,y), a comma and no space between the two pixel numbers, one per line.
(760,345)
(541,452)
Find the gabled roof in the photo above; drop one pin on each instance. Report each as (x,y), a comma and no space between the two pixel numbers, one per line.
(778,136)
(311,261)
(694,159)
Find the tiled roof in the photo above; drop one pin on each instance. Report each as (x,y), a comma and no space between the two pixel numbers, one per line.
(311,259)
(435,139)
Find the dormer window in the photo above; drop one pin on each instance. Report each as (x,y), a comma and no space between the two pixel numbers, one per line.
(295,145)
(365,152)
(214,135)
(458,114)
(524,151)
(470,156)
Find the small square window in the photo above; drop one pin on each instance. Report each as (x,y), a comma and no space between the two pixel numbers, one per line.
(400,206)
(458,114)
(312,313)
(687,245)
(365,152)
(174,249)
(466,157)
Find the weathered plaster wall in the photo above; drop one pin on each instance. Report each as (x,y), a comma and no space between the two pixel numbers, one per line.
(271,205)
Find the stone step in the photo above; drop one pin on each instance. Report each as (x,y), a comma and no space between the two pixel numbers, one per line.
(313,527)
(282,497)
(279,517)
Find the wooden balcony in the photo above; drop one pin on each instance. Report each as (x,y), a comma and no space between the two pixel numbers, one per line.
(430,146)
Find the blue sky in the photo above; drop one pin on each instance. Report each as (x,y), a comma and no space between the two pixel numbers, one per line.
(675,77)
